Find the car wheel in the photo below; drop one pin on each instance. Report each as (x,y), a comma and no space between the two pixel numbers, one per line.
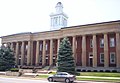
(67,80)
(50,79)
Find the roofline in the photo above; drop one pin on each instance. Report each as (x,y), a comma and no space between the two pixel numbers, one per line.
(63,28)
(91,24)
(17,34)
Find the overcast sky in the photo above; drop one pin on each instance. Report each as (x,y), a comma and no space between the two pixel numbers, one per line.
(18,16)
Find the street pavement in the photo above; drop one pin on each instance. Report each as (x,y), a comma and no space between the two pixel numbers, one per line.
(30,80)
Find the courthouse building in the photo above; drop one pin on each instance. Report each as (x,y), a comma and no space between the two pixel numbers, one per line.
(95,46)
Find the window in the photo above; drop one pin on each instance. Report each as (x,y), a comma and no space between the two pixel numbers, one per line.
(101,58)
(112,58)
(55,20)
(91,43)
(102,43)
(40,59)
(40,47)
(46,47)
(112,42)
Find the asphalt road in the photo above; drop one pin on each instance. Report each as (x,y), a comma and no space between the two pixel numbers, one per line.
(23,80)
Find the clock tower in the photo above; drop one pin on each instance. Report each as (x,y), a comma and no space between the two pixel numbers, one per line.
(59,18)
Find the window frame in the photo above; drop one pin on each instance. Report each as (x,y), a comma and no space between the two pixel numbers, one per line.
(112,43)
(101,42)
(112,59)
(101,62)
(91,43)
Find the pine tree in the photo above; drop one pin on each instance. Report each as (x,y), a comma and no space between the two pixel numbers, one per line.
(7,60)
(65,59)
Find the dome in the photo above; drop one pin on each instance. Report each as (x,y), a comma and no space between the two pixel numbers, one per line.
(59,4)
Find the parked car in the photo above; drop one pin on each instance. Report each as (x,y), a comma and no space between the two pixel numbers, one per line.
(62,77)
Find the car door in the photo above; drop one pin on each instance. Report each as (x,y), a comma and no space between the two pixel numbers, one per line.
(63,76)
(57,77)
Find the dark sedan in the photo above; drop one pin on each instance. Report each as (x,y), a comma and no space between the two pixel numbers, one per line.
(62,77)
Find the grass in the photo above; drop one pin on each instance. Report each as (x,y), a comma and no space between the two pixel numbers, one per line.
(42,76)
(100,74)
(98,79)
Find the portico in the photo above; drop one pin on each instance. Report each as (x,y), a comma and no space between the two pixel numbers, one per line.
(102,40)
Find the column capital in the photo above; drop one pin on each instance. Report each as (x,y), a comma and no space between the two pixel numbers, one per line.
(105,33)
(94,34)
(83,35)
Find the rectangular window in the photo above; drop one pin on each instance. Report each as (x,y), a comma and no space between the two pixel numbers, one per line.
(101,58)
(112,42)
(46,47)
(40,47)
(112,58)
(102,43)
(91,43)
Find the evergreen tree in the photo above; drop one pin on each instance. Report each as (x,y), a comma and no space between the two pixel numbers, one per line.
(7,60)
(65,59)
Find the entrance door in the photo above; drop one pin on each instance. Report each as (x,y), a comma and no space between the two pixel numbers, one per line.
(91,60)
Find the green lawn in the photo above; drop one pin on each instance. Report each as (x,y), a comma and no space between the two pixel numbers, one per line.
(98,79)
(100,74)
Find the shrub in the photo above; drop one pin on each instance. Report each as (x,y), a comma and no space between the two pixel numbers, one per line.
(14,69)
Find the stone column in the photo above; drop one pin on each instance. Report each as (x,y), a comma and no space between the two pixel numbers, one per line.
(43,53)
(74,48)
(37,53)
(28,54)
(31,53)
(16,55)
(118,50)
(94,51)
(11,46)
(51,52)
(22,53)
(58,45)
(84,51)
(106,58)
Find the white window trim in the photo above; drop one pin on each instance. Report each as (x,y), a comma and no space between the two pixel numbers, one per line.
(100,58)
(101,44)
(113,44)
(111,58)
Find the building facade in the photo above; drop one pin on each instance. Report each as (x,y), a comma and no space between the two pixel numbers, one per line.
(95,46)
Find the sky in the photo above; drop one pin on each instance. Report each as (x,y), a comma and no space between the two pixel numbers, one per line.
(17,16)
